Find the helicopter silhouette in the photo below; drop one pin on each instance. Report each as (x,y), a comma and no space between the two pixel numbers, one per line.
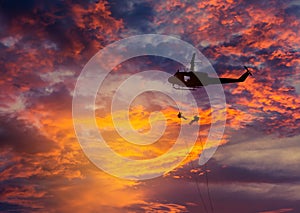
(189,79)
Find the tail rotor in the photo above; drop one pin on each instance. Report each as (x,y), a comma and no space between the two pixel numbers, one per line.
(246,68)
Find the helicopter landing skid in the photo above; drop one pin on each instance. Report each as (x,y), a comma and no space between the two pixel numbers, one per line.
(184,88)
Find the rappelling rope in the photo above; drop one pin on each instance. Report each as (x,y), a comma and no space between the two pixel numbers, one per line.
(196,181)
(196,177)
(202,201)
(206,179)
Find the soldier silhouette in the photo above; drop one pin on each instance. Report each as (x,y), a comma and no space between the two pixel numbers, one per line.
(196,119)
(181,116)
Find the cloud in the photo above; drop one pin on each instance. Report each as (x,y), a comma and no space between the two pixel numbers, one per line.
(137,16)
(245,33)
(45,44)
(278,210)
(157,207)
(269,154)
(239,193)
(22,137)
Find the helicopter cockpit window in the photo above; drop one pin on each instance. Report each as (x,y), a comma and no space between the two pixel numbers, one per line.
(187,78)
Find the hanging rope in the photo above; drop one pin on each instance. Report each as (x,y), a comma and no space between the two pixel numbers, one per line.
(196,181)
(206,178)
(196,177)
(202,201)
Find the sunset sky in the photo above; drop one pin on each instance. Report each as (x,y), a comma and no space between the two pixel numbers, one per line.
(45,46)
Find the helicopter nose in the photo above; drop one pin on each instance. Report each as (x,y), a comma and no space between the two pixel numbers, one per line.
(172,80)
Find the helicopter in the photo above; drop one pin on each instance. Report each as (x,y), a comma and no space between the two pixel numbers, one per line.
(189,79)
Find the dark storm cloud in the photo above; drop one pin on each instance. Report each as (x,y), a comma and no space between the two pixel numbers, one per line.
(22,137)
(231,188)
(20,194)
(72,26)
(227,174)
(15,207)
(293,10)
(24,13)
(59,100)
(137,15)
(14,8)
